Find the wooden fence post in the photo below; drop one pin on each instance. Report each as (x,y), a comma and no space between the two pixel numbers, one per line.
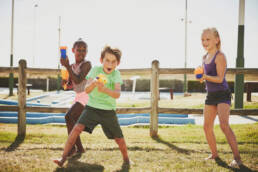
(47,85)
(154,98)
(22,98)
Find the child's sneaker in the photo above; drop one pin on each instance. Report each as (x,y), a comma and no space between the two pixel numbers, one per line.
(211,157)
(59,162)
(127,164)
(235,163)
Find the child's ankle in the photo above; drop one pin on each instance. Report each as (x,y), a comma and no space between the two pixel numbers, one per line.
(63,160)
(212,157)
(60,162)
(80,150)
(238,159)
(126,159)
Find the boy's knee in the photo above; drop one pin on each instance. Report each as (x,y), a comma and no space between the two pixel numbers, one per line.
(119,140)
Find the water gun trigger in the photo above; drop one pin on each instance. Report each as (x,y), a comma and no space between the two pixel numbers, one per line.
(101,78)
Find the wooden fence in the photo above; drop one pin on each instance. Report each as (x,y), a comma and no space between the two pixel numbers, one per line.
(154,110)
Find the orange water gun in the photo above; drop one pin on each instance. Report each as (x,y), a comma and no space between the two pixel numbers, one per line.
(65,77)
(199,72)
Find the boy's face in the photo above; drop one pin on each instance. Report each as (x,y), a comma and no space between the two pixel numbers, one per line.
(80,52)
(109,63)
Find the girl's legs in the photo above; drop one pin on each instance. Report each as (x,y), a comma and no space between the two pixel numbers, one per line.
(210,112)
(223,113)
(122,146)
(70,118)
(78,128)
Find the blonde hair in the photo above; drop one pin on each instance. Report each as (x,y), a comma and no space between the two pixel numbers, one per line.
(216,34)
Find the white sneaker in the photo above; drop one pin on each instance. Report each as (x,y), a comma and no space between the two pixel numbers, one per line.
(235,164)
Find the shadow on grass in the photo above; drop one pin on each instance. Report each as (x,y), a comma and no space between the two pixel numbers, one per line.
(6,97)
(251,118)
(223,164)
(18,140)
(130,148)
(178,149)
(124,168)
(244,168)
(38,148)
(75,165)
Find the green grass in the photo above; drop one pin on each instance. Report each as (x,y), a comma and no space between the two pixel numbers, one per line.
(247,105)
(178,148)
(250,105)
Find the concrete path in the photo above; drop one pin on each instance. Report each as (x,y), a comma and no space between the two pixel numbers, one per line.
(233,119)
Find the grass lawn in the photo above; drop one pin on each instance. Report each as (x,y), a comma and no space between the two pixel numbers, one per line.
(178,148)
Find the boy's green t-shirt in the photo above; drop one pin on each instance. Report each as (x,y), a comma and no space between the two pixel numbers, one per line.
(101,100)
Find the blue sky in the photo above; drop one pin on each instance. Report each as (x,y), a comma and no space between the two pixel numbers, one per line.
(144,30)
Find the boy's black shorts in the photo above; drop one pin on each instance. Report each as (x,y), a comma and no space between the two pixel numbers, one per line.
(91,117)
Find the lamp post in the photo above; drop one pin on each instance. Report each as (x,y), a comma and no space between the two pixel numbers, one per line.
(11,56)
(59,40)
(34,33)
(185,76)
(185,89)
(239,78)
(59,43)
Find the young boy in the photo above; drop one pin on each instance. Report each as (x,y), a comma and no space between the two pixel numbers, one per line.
(101,105)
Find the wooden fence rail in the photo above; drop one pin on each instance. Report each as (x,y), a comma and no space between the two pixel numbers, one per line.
(154,72)
(146,71)
(243,112)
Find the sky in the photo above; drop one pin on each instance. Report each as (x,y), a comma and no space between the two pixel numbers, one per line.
(144,30)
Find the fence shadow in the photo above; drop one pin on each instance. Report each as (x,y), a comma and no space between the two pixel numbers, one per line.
(174,147)
(251,118)
(18,140)
(124,168)
(75,165)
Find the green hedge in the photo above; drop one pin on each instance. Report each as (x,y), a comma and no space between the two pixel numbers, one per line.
(141,84)
(176,85)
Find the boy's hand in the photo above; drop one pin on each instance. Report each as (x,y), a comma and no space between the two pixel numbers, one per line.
(65,62)
(100,86)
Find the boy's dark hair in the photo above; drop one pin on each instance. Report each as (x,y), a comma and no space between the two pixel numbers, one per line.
(115,51)
(80,42)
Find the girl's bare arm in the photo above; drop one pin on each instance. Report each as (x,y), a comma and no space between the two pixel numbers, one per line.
(85,68)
